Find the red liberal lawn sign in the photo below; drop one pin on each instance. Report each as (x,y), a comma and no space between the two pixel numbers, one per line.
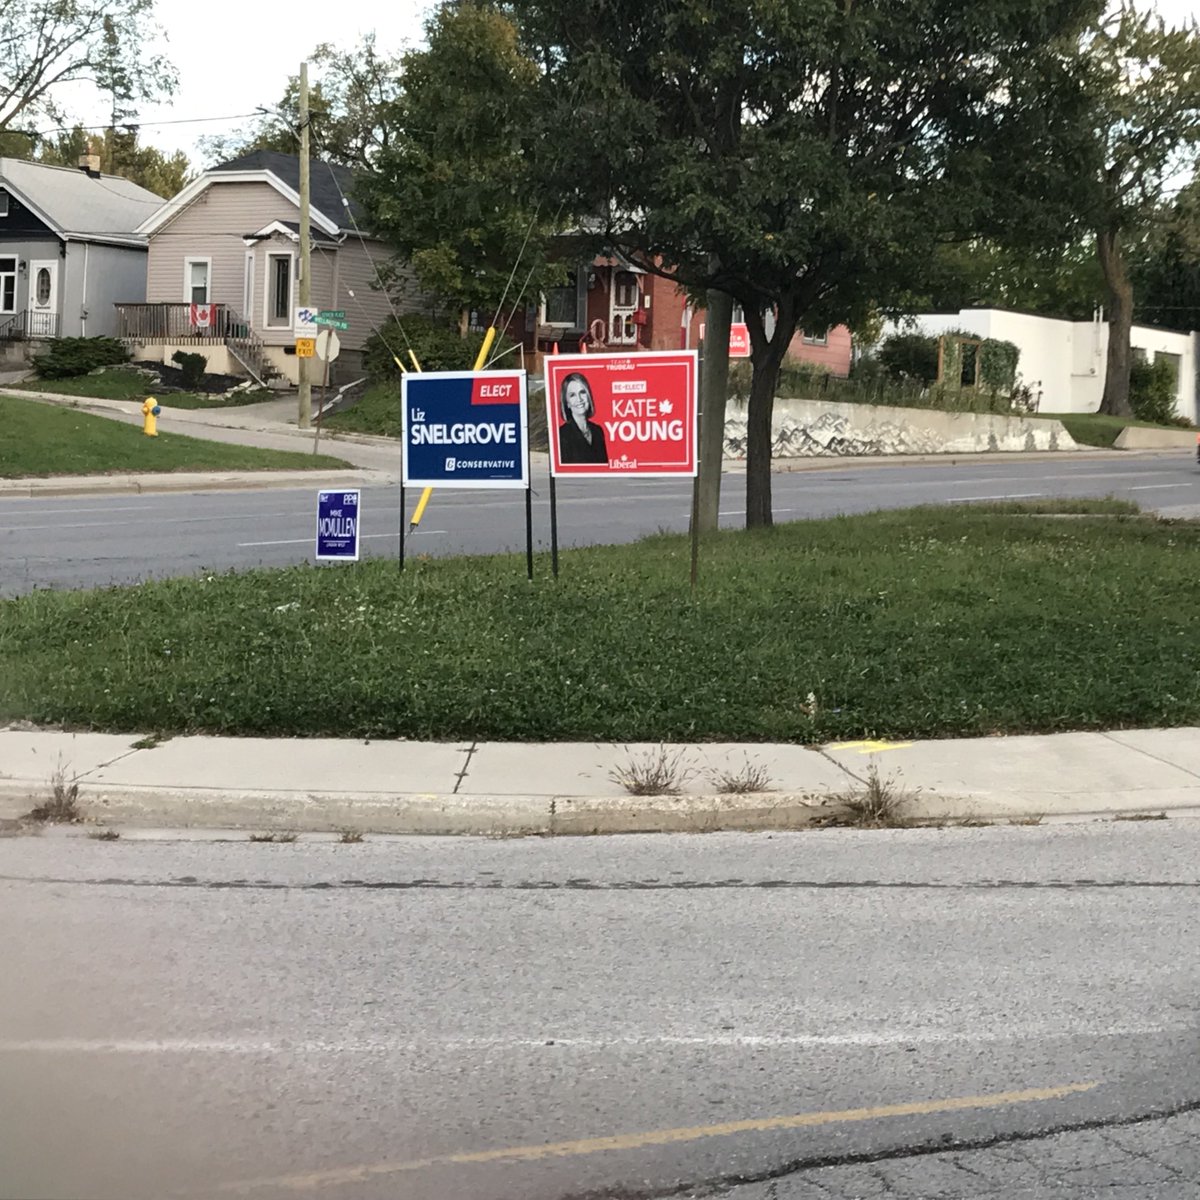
(739,340)
(613,414)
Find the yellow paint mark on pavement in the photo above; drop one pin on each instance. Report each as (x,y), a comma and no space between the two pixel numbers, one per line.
(870,747)
(658,1137)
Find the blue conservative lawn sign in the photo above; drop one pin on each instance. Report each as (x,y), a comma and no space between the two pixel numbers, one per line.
(337,526)
(465,429)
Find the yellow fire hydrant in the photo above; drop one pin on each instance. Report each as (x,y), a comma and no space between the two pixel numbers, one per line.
(150,411)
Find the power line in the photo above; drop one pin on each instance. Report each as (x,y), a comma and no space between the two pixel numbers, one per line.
(128,126)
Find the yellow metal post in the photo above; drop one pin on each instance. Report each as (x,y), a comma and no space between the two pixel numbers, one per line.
(488,341)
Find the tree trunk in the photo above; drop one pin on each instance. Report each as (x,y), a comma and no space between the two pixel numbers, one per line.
(1115,400)
(766,359)
(714,393)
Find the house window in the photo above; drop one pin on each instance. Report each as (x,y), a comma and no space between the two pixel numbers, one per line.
(626,290)
(561,305)
(3,204)
(8,285)
(816,339)
(279,290)
(42,287)
(196,273)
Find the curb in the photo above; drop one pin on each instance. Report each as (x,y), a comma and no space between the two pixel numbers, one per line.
(481,815)
(28,489)
(512,816)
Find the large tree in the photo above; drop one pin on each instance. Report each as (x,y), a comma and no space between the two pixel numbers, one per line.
(1167,277)
(350,107)
(45,44)
(804,156)
(1145,92)
(121,153)
(454,190)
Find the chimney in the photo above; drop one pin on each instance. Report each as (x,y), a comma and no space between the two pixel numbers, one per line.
(89,161)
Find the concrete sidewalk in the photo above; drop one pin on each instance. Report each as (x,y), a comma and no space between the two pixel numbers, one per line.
(514,788)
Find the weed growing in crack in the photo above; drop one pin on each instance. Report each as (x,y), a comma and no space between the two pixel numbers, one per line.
(62,805)
(749,777)
(879,804)
(350,837)
(273,837)
(658,772)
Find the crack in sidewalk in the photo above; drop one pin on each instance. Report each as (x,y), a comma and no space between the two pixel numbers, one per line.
(466,767)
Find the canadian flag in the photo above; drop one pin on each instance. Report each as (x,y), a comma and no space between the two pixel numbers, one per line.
(201,316)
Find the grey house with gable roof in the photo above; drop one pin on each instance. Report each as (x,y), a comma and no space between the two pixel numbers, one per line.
(227,248)
(68,249)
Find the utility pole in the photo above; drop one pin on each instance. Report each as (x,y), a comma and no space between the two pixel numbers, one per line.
(304,414)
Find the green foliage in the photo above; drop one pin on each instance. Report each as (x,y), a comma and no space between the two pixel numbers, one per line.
(1144,91)
(909,356)
(805,158)
(963,351)
(453,189)
(192,366)
(998,364)
(121,153)
(436,343)
(1055,280)
(67,357)
(1152,390)
(919,623)
(46,439)
(47,44)
(1167,276)
(349,101)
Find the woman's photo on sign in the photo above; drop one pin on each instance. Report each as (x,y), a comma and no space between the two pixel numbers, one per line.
(580,439)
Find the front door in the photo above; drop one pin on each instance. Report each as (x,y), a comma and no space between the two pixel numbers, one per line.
(43,298)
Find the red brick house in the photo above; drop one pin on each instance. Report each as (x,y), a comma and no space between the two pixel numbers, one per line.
(612,305)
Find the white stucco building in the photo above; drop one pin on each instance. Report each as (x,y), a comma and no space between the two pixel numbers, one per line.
(1064,361)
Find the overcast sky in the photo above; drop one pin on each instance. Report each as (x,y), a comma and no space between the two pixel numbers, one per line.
(232,58)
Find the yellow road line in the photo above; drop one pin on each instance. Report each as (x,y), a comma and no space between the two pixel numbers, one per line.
(870,747)
(658,1137)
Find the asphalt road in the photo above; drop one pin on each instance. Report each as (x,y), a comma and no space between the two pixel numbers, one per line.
(94,541)
(953,1013)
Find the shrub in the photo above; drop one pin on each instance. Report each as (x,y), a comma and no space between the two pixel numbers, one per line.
(997,361)
(1152,390)
(68,357)
(193,367)
(436,343)
(910,356)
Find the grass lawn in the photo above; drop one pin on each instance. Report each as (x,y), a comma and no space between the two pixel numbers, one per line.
(923,623)
(377,412)
(46,439)
(130,385)
(1098,429)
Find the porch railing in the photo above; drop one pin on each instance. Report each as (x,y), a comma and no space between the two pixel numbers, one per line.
(27,326)
(168,323)
(164,322)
